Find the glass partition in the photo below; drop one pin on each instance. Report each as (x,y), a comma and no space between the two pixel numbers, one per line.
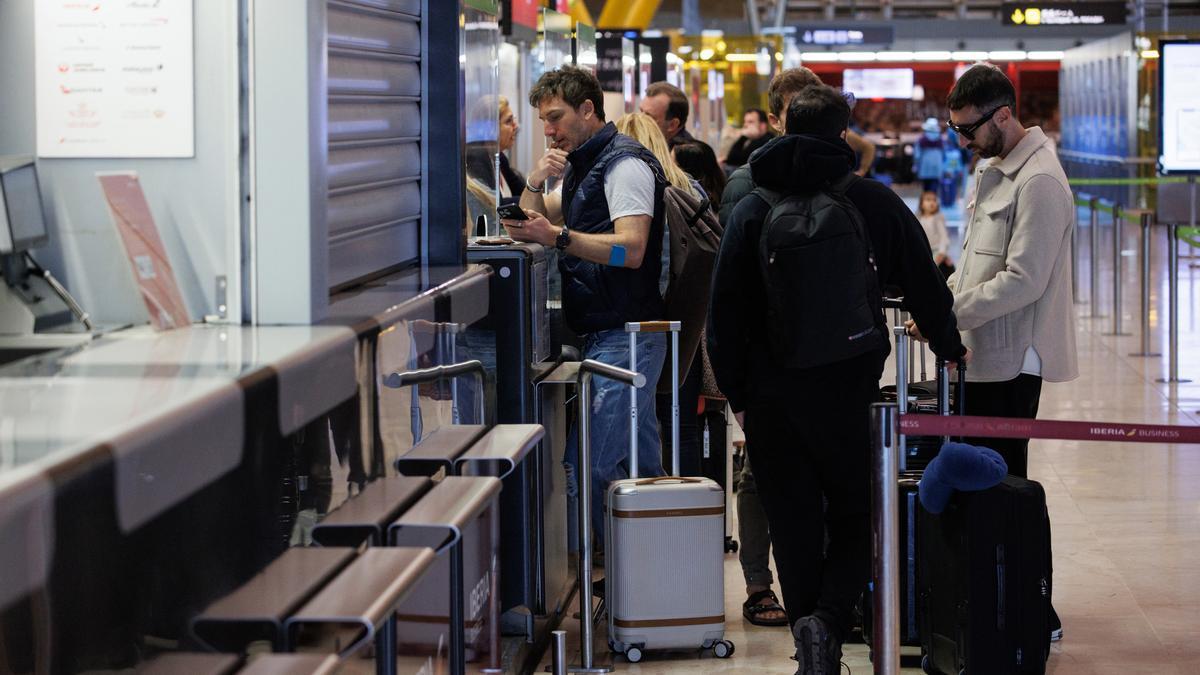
(586,55)
(481,53)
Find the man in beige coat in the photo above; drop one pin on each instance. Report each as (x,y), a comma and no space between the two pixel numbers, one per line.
(1012,289)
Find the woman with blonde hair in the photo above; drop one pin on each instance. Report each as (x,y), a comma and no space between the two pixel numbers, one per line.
(643,129)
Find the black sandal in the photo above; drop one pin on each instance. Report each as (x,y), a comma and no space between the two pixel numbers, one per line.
(752,608)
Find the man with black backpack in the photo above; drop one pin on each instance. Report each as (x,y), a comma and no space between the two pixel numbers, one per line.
(797,339)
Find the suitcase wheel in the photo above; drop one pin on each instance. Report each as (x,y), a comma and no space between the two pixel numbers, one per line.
(722,649)
(633,654)
(927,667)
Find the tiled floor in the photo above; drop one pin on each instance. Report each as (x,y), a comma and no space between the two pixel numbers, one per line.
(1126,517)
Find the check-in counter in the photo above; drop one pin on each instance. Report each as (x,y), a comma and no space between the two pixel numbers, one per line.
(145,475)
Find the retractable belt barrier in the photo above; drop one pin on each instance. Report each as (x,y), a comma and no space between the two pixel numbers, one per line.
(888,427)
(1008,427)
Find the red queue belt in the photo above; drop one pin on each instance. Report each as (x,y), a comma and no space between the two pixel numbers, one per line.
(1007,427)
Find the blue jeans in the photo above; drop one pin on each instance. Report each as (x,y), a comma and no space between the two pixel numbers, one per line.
(610,418)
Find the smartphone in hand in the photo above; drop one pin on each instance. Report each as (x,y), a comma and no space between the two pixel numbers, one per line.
(512,212)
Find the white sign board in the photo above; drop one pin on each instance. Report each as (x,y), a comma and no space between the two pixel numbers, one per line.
(114,78)
(878,82)
(1179,123)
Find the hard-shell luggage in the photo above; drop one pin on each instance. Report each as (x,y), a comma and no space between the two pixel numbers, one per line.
(985,582)
(664,553)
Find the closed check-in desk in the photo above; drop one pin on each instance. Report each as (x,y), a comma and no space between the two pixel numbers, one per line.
(146,475)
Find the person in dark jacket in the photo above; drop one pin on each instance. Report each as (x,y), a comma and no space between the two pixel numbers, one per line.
(807,429)
(610,247)
(779,94)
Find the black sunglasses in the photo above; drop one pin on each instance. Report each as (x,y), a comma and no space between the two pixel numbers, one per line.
(968,130)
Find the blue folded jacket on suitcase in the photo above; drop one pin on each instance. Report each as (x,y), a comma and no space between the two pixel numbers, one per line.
(959,466)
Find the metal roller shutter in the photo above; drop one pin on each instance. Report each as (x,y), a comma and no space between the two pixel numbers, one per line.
(374,132)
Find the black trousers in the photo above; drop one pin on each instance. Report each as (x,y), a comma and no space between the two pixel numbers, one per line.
(814,446)
(1018,397)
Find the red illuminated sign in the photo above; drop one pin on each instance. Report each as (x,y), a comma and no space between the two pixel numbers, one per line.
(525,12)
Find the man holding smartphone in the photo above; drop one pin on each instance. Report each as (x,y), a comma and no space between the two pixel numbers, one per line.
(610,258)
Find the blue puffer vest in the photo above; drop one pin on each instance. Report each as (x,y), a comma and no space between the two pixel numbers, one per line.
(599,297)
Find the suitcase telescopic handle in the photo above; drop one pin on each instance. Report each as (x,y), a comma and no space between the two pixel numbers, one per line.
(667,479)
(672,327)
(652,326)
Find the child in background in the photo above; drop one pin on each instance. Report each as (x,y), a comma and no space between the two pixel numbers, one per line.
(929,212)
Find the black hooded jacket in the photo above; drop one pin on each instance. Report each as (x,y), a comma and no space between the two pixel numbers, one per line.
(737,326)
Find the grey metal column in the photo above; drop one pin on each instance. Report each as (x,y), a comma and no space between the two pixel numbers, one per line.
(885,529)
(1147,244)
(1094,258)
(1118,269)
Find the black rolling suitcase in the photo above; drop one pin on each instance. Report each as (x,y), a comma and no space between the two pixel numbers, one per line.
(984,574)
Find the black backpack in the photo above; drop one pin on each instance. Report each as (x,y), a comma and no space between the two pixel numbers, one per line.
(823,298)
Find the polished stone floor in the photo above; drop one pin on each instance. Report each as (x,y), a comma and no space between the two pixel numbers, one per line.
(1126,517)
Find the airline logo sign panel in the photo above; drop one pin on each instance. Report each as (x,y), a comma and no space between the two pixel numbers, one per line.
(1064,14)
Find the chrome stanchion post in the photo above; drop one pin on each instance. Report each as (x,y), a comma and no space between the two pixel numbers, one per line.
(1173,300)
(1118,221)
(585,521)
(1094,258)
(885,528)
(559,665)
(584,475)
(1147,244)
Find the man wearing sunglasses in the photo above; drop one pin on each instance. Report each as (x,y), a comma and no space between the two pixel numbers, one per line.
(1012,289)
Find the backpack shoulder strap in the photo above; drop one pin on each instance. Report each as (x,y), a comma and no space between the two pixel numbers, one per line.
(768,195)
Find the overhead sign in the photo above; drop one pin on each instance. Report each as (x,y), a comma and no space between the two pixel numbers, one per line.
(114,79)
(823,34)
(1033,14)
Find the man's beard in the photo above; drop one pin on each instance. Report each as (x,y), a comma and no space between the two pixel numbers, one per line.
(995,146)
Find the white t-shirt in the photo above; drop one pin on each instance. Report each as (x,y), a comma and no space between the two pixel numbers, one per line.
(629,189)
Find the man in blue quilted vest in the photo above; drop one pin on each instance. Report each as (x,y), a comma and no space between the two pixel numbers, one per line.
(610,244)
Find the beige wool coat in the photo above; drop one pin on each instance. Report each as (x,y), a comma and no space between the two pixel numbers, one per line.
(1012,287)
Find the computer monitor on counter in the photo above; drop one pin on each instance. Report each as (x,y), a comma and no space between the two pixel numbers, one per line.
(22,222)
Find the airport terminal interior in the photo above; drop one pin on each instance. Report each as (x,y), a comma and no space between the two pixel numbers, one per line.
(292,380)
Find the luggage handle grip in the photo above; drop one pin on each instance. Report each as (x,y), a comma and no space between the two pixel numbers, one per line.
(652,326)
(668,479)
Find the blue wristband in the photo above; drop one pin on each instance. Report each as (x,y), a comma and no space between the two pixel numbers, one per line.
(616,257)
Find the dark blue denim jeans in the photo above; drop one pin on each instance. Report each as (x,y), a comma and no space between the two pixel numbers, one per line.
(610,417)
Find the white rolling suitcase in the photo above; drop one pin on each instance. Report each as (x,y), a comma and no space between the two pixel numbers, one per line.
(665,548)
